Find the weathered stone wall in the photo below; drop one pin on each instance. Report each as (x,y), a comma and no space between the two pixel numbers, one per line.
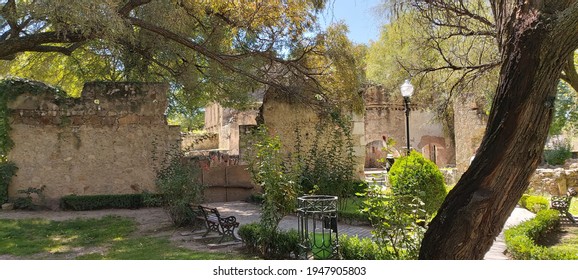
(232,121)
(205,141)
(469,125)
(552,181)
(224,178)
(109,141)
(229,183)
(227,122)
(285,119)
(555,181)
(385,118)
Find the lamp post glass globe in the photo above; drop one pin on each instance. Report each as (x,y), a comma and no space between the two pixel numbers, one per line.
(406,89)
(406,92)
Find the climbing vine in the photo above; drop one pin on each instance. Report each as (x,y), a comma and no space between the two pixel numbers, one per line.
(10,89)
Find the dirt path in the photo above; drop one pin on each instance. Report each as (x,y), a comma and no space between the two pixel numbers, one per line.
(152,222)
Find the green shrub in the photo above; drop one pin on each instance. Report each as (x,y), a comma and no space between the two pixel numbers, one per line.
(350,209)
(522,239)
(270,245)
(250,234)
(256,198)
(110,201)
(562,150)
(7,171)
(418,177)
(26,202)
(328,165)
(534,203)
(277,177)
(179,186)
(353,216)
(354,248)
(397,222)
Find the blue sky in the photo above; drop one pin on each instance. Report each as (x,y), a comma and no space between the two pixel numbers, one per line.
(360,16)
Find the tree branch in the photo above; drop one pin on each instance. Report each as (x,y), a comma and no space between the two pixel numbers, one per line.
(131,5)
(570,75)
(12,46)
(224,61)
(9,13)
(63,50)
(453,9)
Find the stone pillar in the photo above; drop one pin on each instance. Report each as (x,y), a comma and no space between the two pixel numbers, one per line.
(469,126)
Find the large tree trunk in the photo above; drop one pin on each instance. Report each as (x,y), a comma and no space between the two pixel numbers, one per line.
(536,46)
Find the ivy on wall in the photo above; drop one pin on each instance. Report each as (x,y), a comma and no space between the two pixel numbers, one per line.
(10,89)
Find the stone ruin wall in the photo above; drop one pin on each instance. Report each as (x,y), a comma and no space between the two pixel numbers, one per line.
(282,117)
(555,181)
(469,126)
(385,118)
(111,140)
(206,141)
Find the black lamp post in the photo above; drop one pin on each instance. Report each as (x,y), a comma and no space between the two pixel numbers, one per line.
(406,92)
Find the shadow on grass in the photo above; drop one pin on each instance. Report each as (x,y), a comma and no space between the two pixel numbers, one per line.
(111,237)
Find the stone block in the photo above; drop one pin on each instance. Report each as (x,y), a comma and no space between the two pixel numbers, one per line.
(359,151)
(128,119)
(108,121)
(358,128)
(238,175)
(7,206)
(215,176)
(237,194)
(215,194)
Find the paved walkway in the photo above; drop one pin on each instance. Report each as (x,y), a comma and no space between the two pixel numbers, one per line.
(247,213)
(497,251)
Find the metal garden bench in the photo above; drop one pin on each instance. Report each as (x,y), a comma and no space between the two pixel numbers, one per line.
(213,221)
(562,204)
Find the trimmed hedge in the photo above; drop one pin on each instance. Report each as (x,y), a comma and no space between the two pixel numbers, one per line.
(352,217)
(521,240)
(354,248)
(276,245)
(534,203)
(122,201)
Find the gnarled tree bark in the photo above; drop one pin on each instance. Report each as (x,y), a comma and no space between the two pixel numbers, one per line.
(537,38)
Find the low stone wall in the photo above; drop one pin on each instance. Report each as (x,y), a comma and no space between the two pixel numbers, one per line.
(545,181)
(553,181)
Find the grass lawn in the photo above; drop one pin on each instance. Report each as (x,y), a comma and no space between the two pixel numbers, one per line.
(566,242)
(152,248)
(350,209)
(111,236)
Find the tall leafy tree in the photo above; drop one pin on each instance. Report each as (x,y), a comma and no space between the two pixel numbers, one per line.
(211,50)
(441,63)
(536,41)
